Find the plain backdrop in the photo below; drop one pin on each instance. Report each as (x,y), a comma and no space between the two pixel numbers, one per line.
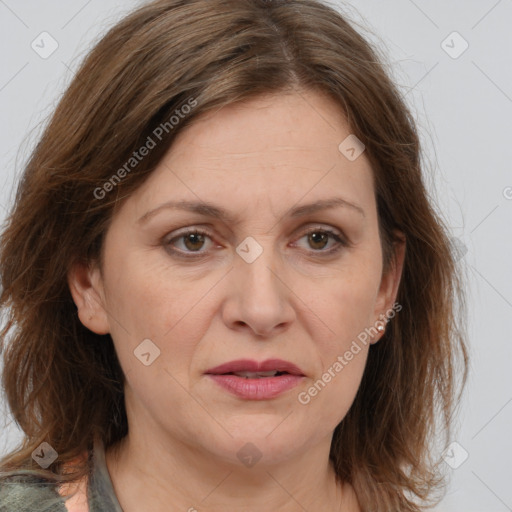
(453,62)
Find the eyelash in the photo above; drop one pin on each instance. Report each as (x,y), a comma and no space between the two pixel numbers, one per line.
(341,242)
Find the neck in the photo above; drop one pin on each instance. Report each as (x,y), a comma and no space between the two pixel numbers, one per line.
(149,475)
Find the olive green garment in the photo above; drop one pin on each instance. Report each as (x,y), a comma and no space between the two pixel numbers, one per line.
(27,493)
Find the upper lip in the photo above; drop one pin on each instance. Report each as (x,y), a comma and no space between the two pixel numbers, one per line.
(249,365)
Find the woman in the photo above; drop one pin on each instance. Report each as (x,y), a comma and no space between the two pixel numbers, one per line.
(224,283)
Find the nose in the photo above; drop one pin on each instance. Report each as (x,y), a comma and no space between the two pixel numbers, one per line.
(259,298)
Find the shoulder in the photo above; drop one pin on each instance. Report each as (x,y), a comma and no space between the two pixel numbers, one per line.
(29,494)
(76,496)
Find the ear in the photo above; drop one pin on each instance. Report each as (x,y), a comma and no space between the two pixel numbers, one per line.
(86,287)
(390,280)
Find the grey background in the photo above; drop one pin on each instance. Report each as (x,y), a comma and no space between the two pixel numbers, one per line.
(463,107)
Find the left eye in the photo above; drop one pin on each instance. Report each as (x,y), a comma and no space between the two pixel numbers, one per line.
(193,241)
(321,237)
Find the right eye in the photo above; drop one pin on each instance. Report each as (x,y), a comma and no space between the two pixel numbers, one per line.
(193,241)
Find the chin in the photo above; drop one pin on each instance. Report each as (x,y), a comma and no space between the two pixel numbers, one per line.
(268,440)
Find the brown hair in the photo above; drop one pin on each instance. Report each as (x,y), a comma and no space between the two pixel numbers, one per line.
(64,383)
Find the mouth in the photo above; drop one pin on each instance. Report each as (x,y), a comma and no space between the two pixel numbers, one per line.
(251,369)
(250,380)
(256,375)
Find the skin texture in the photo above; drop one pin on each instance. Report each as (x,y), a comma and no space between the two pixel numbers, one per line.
(257,160)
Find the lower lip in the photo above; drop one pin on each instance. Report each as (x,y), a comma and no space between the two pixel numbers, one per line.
(257,389)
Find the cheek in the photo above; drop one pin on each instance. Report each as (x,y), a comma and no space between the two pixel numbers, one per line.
(344,304)
(339,379)
(161,305)
(147,296)
(342,355)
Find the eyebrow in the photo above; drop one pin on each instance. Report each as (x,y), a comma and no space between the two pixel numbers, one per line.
(214,211)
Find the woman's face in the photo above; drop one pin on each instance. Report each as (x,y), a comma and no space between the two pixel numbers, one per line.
(253,285)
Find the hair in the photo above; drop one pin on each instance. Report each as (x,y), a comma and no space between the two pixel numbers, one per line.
(63,383)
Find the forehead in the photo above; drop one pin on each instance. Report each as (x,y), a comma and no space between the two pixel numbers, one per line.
(267,151)
(266,127)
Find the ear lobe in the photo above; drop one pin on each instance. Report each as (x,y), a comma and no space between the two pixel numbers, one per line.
(86,287)
(391,279)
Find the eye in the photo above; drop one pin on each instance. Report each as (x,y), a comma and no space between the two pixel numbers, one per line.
(194,240)
(318,238)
